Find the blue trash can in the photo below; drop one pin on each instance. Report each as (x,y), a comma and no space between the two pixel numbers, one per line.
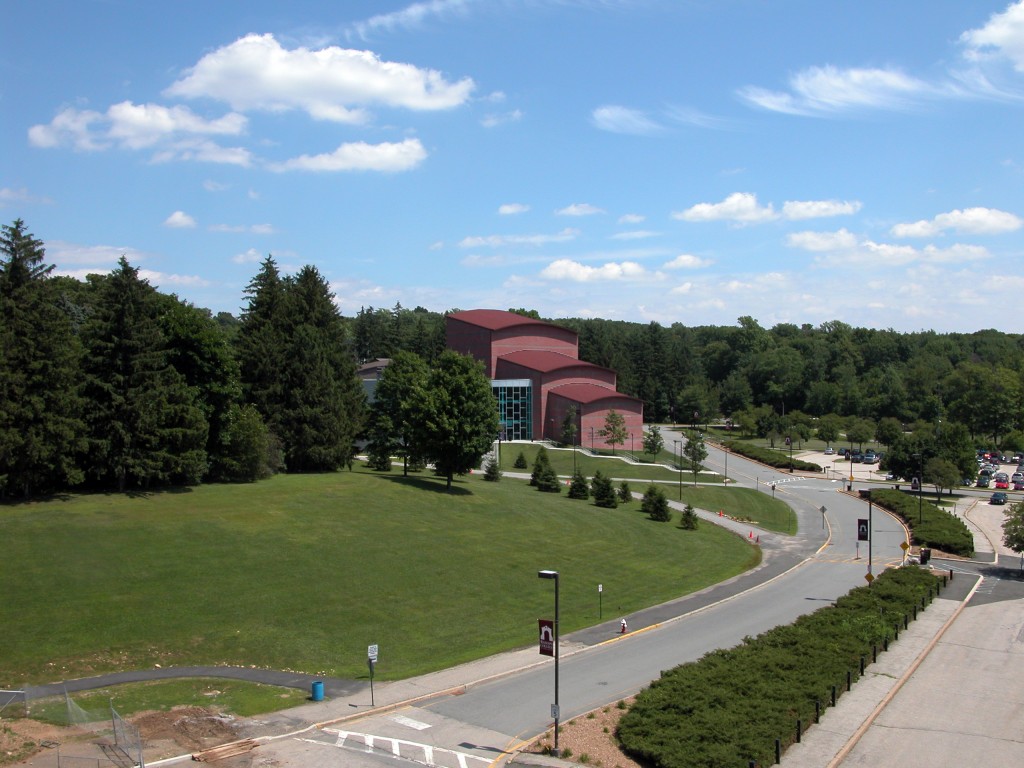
(318,690)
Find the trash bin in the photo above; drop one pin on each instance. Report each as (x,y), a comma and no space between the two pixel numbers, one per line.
(317,693)
(926,555)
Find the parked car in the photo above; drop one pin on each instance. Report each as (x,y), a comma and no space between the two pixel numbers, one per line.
(830,451)
(1016,476)
(998,498)
(870,458)
(983,481)
(1003,484)
(857,458)
(1018,485)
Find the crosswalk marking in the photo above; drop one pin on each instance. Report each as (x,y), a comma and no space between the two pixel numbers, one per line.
(424,754)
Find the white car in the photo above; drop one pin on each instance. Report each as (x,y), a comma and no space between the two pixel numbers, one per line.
(830,451)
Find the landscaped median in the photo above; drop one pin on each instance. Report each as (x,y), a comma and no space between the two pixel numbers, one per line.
(770,457)
(748,703)
(929,525)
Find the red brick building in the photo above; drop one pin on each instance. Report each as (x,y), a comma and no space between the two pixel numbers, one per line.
(537,376)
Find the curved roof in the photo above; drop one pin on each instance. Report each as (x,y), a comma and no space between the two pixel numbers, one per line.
(588,393)
(498,319)
(546,361)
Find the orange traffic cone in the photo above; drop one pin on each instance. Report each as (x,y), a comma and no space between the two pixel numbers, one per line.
(750,535)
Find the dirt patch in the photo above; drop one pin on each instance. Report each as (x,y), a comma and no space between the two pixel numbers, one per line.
(179,731)
(590,739)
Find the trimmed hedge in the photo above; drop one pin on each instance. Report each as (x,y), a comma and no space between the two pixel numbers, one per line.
(937,527)
(730,706)
(770,457)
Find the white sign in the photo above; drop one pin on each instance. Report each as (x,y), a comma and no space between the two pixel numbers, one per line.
(371,652)
(554,711)
(600,587)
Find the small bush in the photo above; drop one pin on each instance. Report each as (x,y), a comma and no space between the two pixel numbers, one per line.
(578,487)
(492,473)
(655,504)
(520,462)
(625,494)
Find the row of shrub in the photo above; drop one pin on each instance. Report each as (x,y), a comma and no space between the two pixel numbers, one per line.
(929,525)
(770,457)
(731,706)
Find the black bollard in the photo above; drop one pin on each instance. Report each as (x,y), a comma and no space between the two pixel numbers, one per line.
(817,711)
(874,652)
(799,730)
(862,666)
(833,695)
(778,751)
(885,643)
(849,679)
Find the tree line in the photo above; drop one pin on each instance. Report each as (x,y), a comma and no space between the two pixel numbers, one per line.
(109,383)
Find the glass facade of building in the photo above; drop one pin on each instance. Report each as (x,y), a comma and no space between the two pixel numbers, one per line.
(515,408)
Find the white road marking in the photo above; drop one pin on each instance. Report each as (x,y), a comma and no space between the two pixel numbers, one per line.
(409,722)
(425,754)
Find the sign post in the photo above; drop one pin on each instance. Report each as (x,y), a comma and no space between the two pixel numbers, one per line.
(371,659)
(600,590)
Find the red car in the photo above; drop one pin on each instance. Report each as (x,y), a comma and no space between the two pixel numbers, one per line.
(1002,484)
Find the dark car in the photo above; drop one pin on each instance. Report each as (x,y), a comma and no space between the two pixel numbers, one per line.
(983,481)
(998,498)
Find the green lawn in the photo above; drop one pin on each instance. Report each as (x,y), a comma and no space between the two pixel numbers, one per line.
(562,461)
(302,572)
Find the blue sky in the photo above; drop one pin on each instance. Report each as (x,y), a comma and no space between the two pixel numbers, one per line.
(687,161)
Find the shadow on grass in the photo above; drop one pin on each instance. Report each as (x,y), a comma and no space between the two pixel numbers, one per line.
(435,484)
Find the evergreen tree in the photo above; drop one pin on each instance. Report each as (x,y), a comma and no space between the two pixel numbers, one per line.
(688,520)
(324,400)
(548,481)
(492,472)
(603,492)
(655,505)
(624,493)
(246,452)
(459,417)
(579,488)
(144,424)
(261,344)
(520,462)
(540,462)
(41,431)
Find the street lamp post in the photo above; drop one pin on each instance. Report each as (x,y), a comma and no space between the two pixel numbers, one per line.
(632,449)
(554,709)
(920,484)
(591,439)
(679,465)
(725,478)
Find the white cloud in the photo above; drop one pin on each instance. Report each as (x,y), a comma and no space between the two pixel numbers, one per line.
(251,256)
(631,218)
(975,221)
(636,234)
(19,196)
(815,209)
(511,209)
(158,279)
(497,241)
(214,186)
(687,261)
(410,17)
(63,253)
(579,209)
(180,220)
(821,242)
(360,156)
(495,119)
(741,207)
(253,229)
(829,89)
(618,119)
(567,269)
(955,254)
(335,84)
(1001,37)
(130,126)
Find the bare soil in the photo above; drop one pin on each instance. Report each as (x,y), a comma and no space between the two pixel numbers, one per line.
(181,730)
(590,739)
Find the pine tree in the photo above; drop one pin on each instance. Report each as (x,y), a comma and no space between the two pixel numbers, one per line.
(41,432)
(625,495)
(144,424)
(492,472)
(540,462)
(655,505)
(520,462)
(260,344)
(394,416)
(688,520)
(579,488)
(548,481)
(603,492)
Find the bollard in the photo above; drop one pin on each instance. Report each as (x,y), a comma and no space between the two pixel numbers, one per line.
(874,652)
(833,695)
(778,751)
(950,574)
(817,711)
(896,631)
(799,730)
(849,680)
(915,613)
(862,666)
(885,643)
(906,621)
